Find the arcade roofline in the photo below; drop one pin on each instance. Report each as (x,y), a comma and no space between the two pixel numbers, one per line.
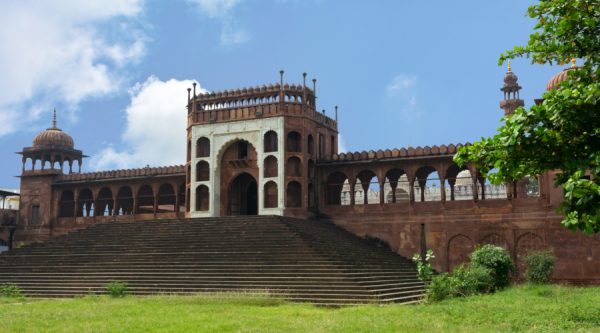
(173,170)
(395,154)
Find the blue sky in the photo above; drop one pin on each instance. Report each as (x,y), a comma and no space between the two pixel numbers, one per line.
(402,72)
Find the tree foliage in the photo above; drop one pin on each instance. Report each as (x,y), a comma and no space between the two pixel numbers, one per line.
(563,132)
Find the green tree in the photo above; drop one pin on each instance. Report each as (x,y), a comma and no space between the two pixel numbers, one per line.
(563,132)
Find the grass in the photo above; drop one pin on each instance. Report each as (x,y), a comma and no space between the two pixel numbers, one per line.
(519,309)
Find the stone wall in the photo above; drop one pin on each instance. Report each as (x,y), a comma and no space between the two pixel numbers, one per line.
(454,229)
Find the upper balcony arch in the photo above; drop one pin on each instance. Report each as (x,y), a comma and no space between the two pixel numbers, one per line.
(203,147)
(427,184)
(270,142)
(294,142)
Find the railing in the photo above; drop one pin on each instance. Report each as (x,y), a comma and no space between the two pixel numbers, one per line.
(256,103)
(462,189)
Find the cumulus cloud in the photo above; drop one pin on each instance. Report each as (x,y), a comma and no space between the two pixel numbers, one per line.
(53,53)
(155,132)
(221,10)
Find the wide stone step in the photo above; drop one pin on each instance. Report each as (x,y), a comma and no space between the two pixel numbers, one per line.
(299,260)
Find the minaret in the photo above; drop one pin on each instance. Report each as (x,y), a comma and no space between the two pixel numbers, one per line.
(511,93)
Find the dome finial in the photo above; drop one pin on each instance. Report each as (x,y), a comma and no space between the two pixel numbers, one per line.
(509,68)
(54,119)
(573,62)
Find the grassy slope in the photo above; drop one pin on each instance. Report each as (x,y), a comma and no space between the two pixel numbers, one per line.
(519,309)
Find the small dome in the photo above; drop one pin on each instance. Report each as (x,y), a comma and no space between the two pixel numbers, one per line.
(53,138)
(510,79)
(560,77)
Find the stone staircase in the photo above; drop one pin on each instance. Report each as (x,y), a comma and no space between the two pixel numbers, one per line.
(312,261)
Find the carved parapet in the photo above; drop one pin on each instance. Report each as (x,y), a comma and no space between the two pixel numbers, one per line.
(410,152)
(123,173)
(256,102)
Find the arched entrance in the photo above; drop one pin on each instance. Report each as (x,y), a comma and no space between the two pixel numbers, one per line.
(243,195)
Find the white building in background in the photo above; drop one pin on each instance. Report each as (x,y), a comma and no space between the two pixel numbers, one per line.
(463,190)
(9,202)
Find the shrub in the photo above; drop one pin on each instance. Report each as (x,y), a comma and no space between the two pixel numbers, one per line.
(472,280)
(117,289)
(10,290)
(463,281)
(424,269)
(497,260)
(539,266)
(440,288)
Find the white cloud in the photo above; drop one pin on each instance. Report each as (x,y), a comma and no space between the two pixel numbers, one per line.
(216,8)
(401,96)
(155,132)
(221,10)
(61,53)
(401,82)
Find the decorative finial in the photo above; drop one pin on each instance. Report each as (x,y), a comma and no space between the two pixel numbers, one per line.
(509,68)
(54,119)
(281,79)
(573,62)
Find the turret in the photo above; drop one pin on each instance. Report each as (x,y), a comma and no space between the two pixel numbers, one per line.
(511,89)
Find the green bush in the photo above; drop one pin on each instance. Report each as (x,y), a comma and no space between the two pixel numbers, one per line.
(497,260)
(472,280)
(117,289)
(463,281)
(440,288)
(539,266)
(10,290)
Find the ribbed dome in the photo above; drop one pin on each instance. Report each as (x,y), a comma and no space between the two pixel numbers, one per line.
(558,78)
(53,138)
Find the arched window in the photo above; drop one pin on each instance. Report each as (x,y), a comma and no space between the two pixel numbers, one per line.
(124,201)
(426,185)
(202,171)
(85,203)
(270,167)
(166,198)
(310,145)
(270,193)
(459,184)
(66,206)
(294,142)
(270,141)
(203,147)
(104,203)
(321,146)
(145,200)
(334,188)
(369,187)
(293,195)
(35,214)
(396,186)
(311,169)
(202,198)
(293,167)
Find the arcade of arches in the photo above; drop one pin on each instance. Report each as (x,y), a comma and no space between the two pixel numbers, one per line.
(289,165)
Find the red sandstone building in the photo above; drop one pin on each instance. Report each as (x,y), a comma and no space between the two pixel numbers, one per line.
(268,150)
